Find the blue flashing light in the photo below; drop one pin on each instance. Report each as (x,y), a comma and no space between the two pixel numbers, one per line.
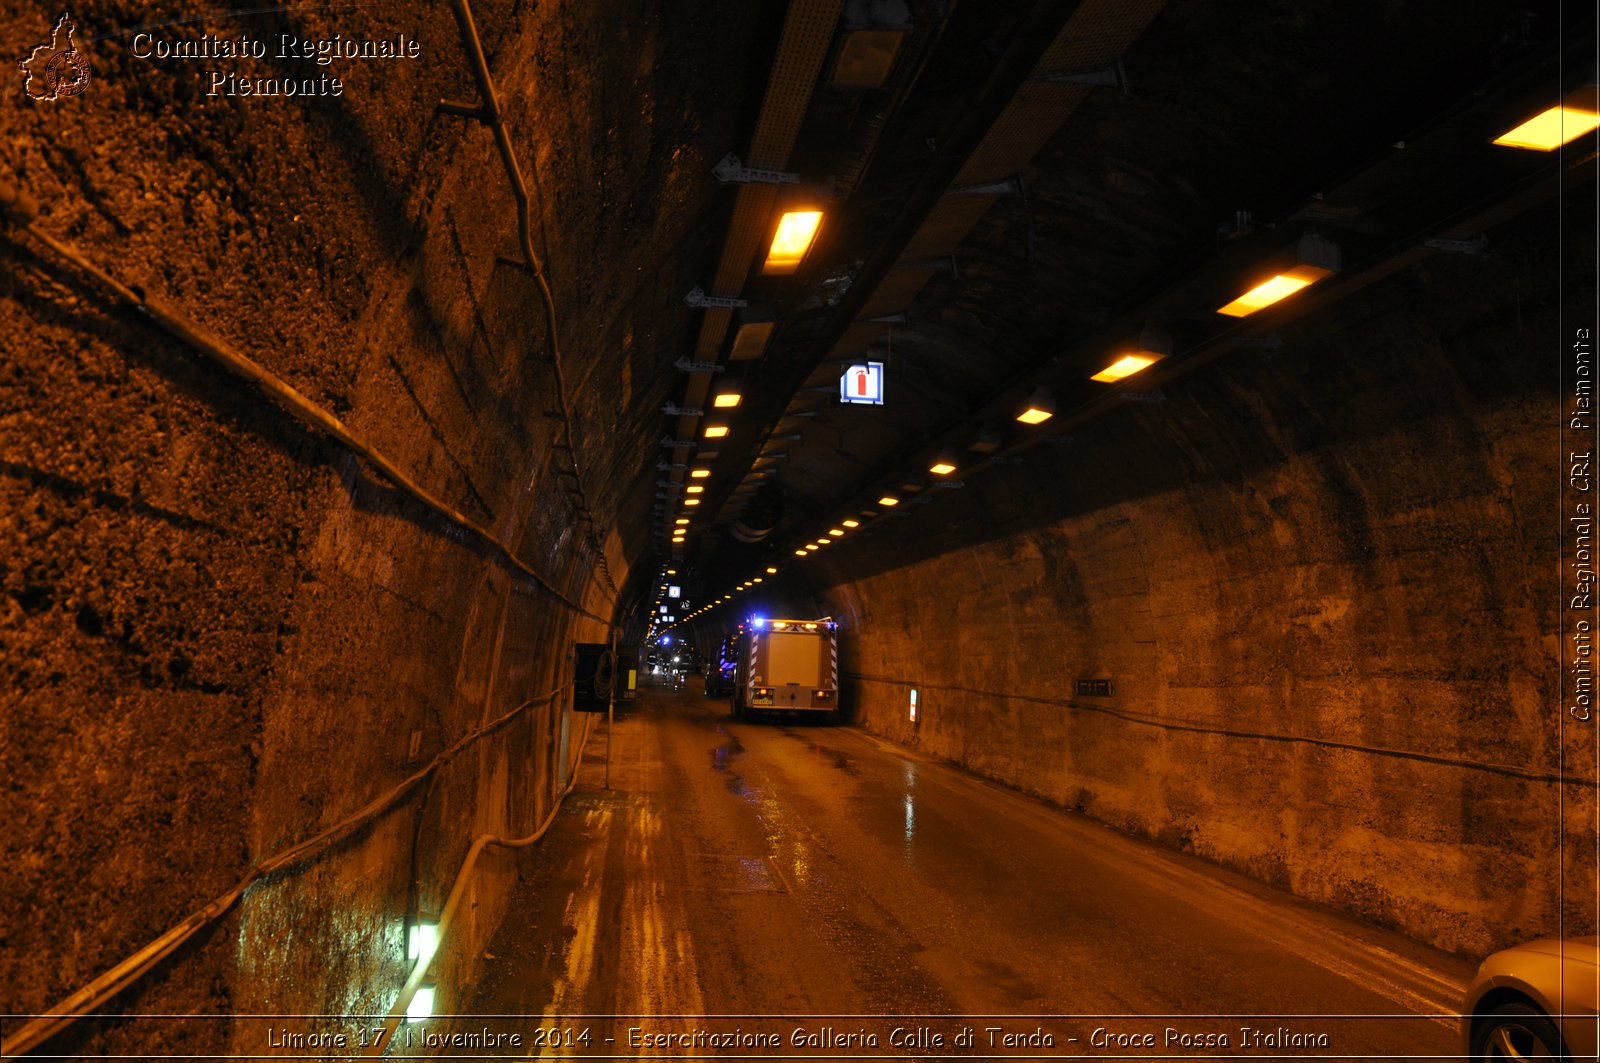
(758,622)
(666,640)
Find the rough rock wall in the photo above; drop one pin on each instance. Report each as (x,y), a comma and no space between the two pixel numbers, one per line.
(1323,582)
(219,632)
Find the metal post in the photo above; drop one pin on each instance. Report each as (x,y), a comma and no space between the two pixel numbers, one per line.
(611,704)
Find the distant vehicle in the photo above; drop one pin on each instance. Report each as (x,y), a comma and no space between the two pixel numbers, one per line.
(787,666)
(1534,1001)
(722,667)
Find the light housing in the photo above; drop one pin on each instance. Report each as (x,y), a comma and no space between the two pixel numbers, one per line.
(1040,407)
(851,523)
(944,464)
(699,474)
(1577,114)
(716,431)
(796,231)
(1316,257)
(772,570)
(726,400)
(870,43)
(888,500)
(421,1006)
(753,327)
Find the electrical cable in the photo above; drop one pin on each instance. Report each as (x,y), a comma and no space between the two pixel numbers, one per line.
(489,114)
(89,997)
(1167,724)
(15,205)
(419,972)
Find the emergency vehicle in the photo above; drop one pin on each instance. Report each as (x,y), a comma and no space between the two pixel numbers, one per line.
(787,666)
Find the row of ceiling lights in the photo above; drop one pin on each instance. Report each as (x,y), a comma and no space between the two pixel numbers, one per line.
(1315,259)
(865,45)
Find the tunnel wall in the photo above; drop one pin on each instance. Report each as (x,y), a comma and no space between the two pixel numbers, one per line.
(222,633)
(1323,583)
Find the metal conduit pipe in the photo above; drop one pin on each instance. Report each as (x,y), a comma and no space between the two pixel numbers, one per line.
(419,973)
(18,207)
(488,112)
(90,997)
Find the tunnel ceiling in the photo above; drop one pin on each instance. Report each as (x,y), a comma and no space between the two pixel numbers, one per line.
(1035,189)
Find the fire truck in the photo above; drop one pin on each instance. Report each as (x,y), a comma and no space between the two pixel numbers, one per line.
(789,666)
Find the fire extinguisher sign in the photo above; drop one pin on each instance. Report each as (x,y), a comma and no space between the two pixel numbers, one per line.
(862,383)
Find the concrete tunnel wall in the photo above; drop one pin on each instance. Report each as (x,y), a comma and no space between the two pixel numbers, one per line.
(221,632)
(1325,584)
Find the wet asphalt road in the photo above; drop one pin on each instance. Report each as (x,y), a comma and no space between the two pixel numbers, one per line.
(787,876)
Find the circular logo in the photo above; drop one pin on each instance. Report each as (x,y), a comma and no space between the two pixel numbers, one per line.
(67,73)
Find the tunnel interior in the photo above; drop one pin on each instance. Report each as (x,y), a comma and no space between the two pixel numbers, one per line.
(341,400)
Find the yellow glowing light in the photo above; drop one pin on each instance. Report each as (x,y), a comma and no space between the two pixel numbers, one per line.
(699,474)
(1034,415)
(799,553)
(1264,295)
(694,489)
(672,572)
(835,532)
(726,400)
(716,431)
(681,520)
(851,523)
(811,547)
(941,468)
(771,571)
(1550,129)
(796,230)
(759,579)
(1125,367)
(888,500)
(691,501)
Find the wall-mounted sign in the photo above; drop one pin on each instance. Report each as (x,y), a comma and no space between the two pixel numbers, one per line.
(673,591)
(1094,688)
(862,383)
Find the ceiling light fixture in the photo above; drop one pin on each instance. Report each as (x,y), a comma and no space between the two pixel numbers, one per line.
(888,500)
(796,231)
(1316,257)
(699,474)
(873,32)
(754,325)
(851,523)
(726,400)
(716,431)
(944,464)
(1577,114)
(1040,407)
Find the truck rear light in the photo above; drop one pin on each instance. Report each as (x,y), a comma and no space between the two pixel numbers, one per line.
(822,695)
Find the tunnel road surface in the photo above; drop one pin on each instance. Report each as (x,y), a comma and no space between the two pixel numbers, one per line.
(784,889)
